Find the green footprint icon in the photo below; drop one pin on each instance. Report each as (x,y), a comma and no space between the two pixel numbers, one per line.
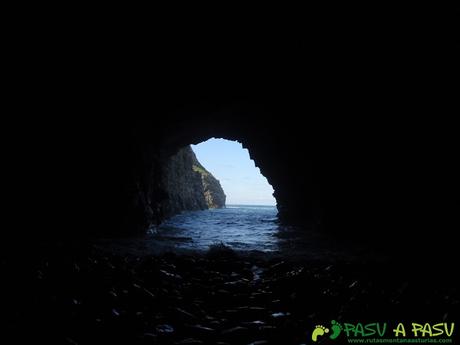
(336,329)
(318,331)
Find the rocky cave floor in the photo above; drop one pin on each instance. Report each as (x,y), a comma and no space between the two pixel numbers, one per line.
(75,296)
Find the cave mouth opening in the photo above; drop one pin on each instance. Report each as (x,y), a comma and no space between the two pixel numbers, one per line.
(240,178)
(240,209)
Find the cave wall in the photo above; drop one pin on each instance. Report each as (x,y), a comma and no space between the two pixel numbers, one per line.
(343,125)
(213,192)
(379,179)
(184,188)
(337,174)
(342,157)
(327,174)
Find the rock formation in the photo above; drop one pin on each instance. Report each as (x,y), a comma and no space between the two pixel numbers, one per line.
(187,185)
(213,193)
(336,140)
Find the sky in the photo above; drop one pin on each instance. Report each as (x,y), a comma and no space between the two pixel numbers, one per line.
(241,180)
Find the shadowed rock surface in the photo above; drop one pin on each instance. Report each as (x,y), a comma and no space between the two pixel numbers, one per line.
(343,124)
(213,192)
(85,295)
(335,140)
(187,185)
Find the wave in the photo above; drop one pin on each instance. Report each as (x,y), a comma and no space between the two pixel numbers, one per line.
(247,227)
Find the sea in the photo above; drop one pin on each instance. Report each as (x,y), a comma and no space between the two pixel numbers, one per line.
(251,229)
(241,227)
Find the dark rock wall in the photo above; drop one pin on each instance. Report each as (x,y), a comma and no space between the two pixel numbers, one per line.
(387,183)
(182,185)
(384,183)
(213,193)
(344,136)
(185,188)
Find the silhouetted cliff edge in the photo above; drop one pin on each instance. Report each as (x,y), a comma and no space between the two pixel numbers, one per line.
(213,193)
(188,185)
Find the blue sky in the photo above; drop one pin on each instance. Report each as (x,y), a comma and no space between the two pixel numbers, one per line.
(240,178)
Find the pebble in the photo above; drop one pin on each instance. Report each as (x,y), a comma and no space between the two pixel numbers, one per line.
(185,300)
(280,314)
(189,341)
(164,329)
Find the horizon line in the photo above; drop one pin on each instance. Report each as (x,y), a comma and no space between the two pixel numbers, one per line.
(240,204)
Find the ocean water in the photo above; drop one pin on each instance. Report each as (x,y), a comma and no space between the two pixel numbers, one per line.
(240,227)
(251,229)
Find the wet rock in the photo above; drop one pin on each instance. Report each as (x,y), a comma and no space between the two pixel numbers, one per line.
(184,315)
(247,312)
(267,329)
(201,330)
(237,333)
(229,312)
(170,275)
(295,273)
(215,323)
(111,297)
(352,285)
(277,268)
(150,336)
(189,341)
(145,293)
(279,315)
(70,341)
(256,323)
(223,292)
(164,329)
(236,284)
